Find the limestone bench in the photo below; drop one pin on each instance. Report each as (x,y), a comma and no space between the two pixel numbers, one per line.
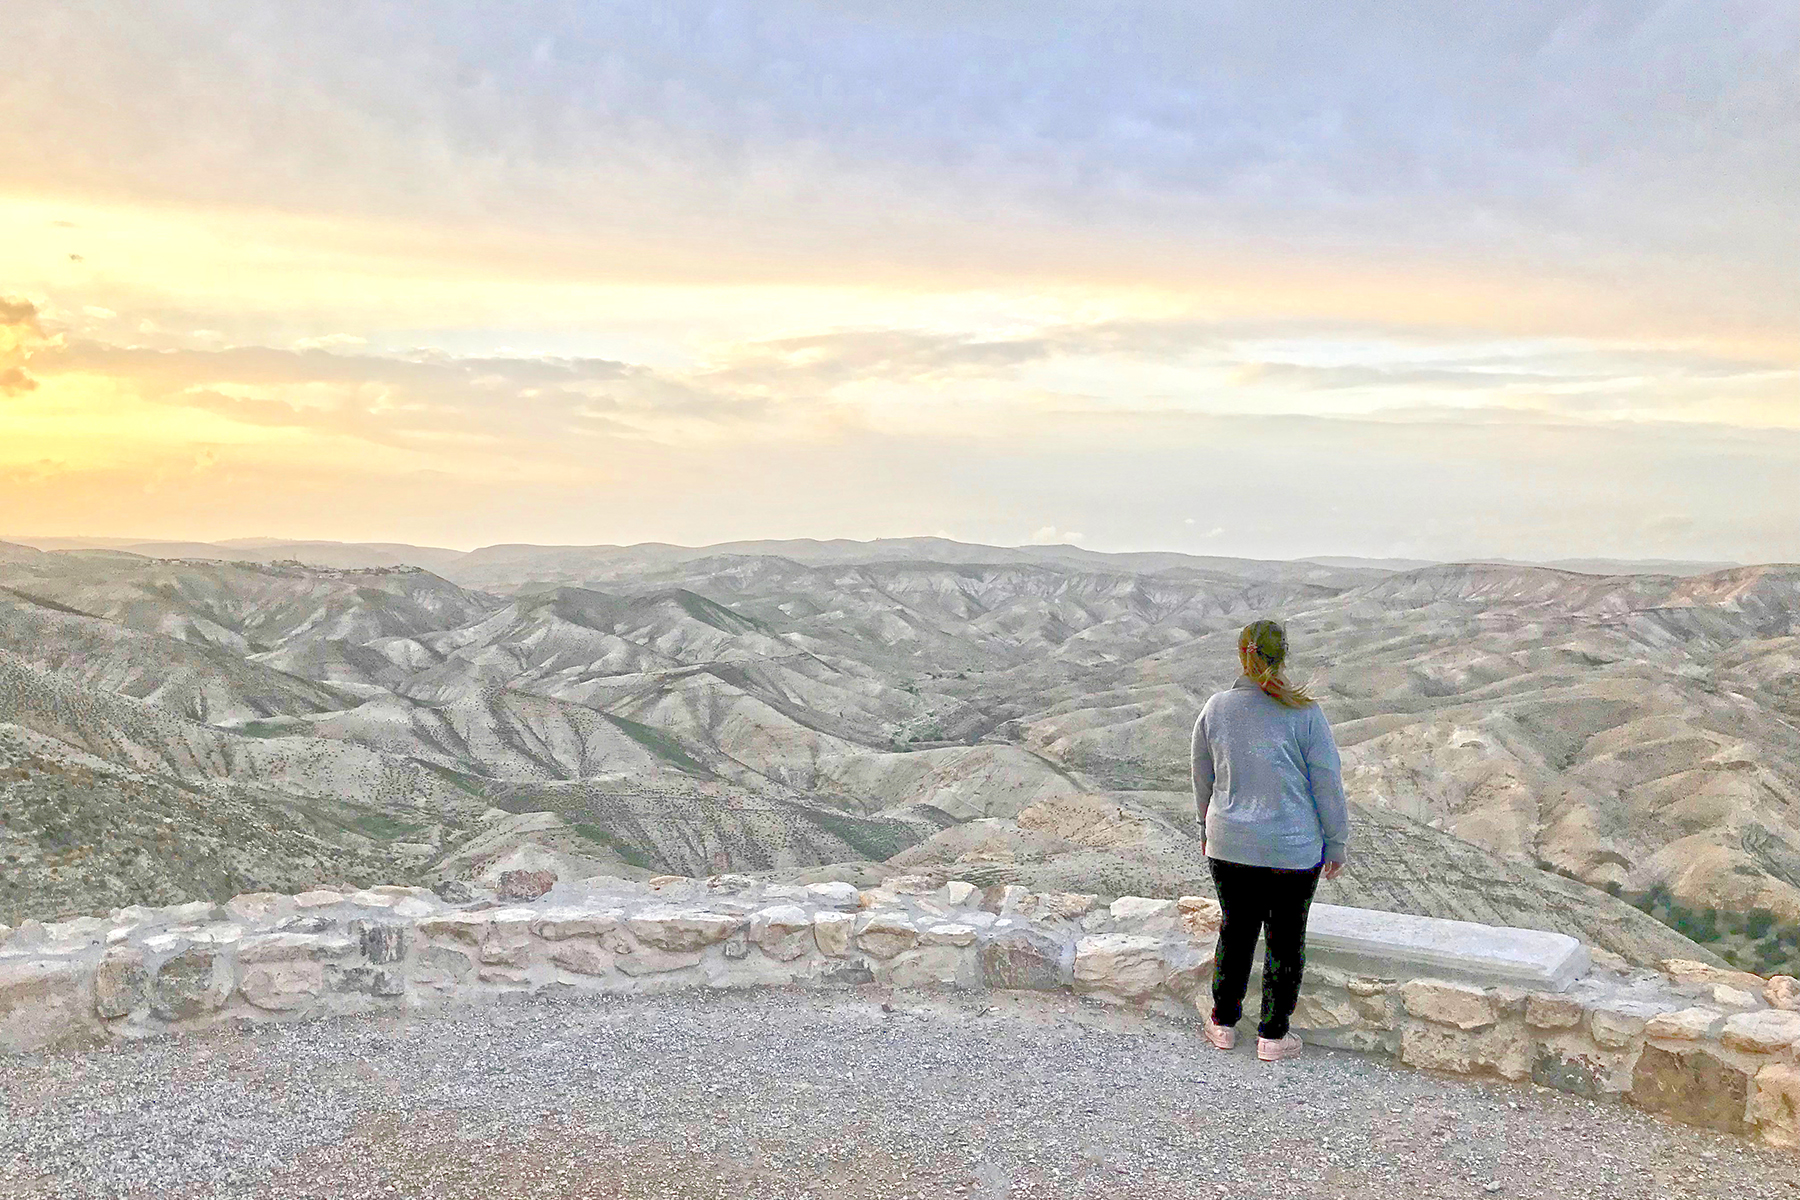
(1709,1047)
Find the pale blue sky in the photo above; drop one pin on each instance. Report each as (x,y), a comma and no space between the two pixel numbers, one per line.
(1506,279)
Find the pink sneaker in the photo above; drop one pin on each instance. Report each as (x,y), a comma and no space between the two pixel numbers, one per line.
(1274,1050)
(1222,1036)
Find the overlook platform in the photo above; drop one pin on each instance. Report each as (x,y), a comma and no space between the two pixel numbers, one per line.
(786,1093)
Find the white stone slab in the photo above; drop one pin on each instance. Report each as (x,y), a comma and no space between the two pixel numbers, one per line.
(1404,946)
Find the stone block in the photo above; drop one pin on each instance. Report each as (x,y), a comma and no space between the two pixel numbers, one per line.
(1503,1050)
(41,1003)
(1687,1025)
(1693,1086)
(1188,969)
(1368,985)
(1318,1011)
(1455,1004)
(569,923)
(121,984)
(1549,1011)
(318,898)
(582,957)
(1059,906)
(1003,898)
(831,931)
(1688,971)
(929,967)
(282,986)
(1200,915)
(1139,914)
(953,934)
(958,892)
(681,929)
(1125,964)
(1768,1032)
(1381,1010)
(1733,997)
(366,981)
(255,908)
(1582,1071)
(885,934)
(507,942)
(1365,941)
(1783,992)
(382,941)
(854,973)
(1775,1106)
(648,960)
(525,885)
(784,932)
(192,983)
(442,968)
(833,895)
(466,927)
(284,947)
(1025,960)
(1618,1025)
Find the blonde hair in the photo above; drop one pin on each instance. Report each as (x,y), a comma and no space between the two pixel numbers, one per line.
(1263,648)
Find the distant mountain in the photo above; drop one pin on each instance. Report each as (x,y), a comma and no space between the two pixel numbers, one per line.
(1523,743)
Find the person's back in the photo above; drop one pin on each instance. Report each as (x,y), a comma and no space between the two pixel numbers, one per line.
(1269,790)
(1270,775)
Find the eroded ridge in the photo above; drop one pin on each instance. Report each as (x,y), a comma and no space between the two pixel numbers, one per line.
(1706,1046)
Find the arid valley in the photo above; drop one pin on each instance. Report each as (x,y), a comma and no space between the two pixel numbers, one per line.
(1611,751)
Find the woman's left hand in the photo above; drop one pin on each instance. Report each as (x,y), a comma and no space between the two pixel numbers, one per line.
(1333,870)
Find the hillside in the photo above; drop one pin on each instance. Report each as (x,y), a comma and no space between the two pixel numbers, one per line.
(1542,746)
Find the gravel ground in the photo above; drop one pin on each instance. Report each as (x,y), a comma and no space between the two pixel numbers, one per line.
(773,1094)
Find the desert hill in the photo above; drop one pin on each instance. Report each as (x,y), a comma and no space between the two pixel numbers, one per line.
(1561,743)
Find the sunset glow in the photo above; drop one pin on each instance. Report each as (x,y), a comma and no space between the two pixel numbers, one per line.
(1223,283)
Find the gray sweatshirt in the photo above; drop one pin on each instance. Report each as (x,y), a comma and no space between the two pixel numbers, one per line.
(1268,782)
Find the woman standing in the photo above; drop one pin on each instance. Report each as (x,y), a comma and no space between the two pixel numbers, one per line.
(1272,817)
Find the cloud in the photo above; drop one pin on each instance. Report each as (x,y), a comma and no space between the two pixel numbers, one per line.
(21,336)
(1050,535)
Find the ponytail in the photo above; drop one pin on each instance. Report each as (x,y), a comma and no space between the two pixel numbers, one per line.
(1263,648)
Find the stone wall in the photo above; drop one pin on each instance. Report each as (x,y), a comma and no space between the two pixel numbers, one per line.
(1705,1046)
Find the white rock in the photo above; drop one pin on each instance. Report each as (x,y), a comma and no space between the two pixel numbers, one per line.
(885,934)
(283,987)
(1731,997)
(285,947)
(1456,1004)
(40,1003)
(1763,1032)
(1775,1107)
(953,934)
(833,895)
(1139,914)
(1125,964)
(1783,992)
(1687,1025)
(318,899)
(831,930)
(558,923)
(783,932)
(256,908)
(680,929)
(958,892)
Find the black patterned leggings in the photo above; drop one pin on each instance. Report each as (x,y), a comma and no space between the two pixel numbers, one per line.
(1255,898)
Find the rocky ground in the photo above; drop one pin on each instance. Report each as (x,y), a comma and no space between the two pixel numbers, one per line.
(791,1095)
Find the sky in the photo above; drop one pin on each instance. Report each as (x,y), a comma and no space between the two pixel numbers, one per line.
(1268,279)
